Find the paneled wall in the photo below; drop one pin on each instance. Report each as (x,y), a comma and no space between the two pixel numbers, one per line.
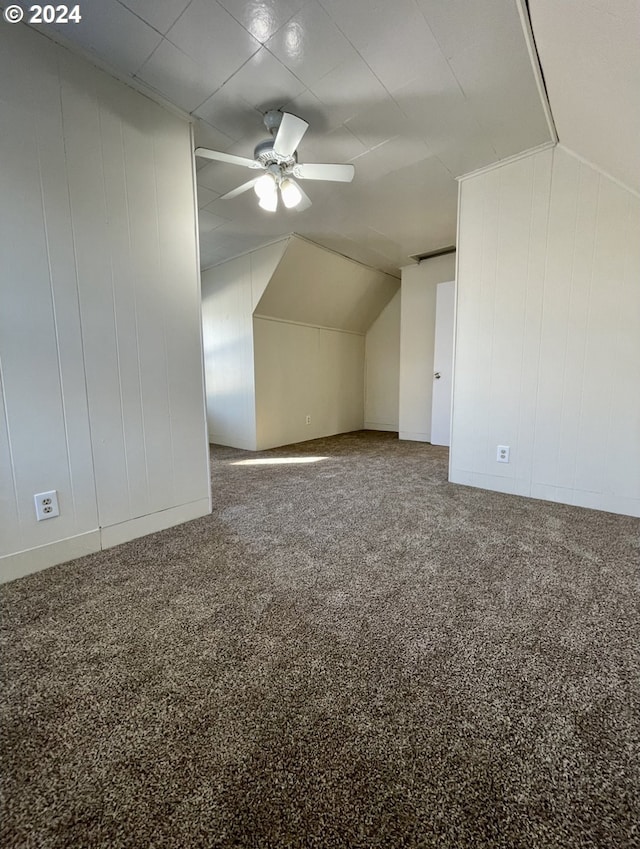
(547,354)
(100,342)
(230,293)
(303,371)
(382,369)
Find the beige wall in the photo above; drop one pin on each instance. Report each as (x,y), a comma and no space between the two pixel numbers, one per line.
(547,355)
(382,369)
(100,344)
(270,360)
(320,288)
(306,371)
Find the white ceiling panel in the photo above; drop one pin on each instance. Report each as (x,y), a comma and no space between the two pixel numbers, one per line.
(309,106)
(341,101)
(389,156)
(223,179)
(504,100)
(378,123)
(366,21)
(310,44)
(110,31)
(439,116)
(205,196)
(207,221)
(177,76)
(208,136)
(262,18)
(213,39)
(339,145)
(161,14)
(264,82)
(457,24)
(403,48)
(234,117)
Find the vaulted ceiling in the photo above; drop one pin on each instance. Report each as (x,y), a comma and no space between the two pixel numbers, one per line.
(413,92)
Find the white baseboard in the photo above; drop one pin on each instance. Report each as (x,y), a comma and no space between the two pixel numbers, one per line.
(231,440)
(545,492)
(379,426)
(31,560)
(416,437)
(143,525)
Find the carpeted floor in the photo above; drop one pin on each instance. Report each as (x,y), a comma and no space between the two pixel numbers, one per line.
(347,653)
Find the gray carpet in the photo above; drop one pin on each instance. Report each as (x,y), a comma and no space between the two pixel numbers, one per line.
(346,653)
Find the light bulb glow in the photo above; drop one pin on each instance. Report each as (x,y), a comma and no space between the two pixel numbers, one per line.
(265,186)
(291,195)
(269,202)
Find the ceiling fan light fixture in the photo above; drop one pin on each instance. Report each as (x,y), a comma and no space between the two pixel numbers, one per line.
(277,158)
(291,195)
(266,186)
(269,202)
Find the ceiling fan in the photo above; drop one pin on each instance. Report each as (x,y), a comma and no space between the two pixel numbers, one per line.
(277,159)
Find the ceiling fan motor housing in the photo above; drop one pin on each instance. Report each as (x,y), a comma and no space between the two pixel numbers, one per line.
(265,155)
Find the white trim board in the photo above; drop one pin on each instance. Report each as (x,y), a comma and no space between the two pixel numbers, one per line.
(413,437)
(143,525)
(305,324)
(32,560)
(379,426)
(536,66)
(531,151)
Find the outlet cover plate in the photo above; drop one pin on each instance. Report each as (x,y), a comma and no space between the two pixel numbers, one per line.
(502,453)
(46,505)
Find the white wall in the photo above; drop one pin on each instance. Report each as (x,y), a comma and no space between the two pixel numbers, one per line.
(230,293)
(417,337)
(100,345)
(306,371)
(548,334)
(382,369)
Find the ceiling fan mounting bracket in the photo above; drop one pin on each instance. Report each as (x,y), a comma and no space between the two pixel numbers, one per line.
(272,120)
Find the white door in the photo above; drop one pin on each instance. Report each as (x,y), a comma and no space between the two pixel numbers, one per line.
(443,365)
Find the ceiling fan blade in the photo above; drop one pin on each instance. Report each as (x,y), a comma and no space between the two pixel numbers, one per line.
(240,189)
(289,134)
(324,171)
(305,202)
(227,157)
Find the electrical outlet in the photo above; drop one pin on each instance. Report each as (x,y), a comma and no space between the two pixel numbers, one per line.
(46,505)
(502,454)
(308,420)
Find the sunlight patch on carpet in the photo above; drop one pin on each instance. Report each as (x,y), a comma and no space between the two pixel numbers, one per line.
(278,461)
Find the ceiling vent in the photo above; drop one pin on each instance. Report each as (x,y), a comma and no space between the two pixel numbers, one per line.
(451,249)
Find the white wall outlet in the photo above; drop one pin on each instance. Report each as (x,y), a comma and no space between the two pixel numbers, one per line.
(46,505)
(308,420)
(502,454)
